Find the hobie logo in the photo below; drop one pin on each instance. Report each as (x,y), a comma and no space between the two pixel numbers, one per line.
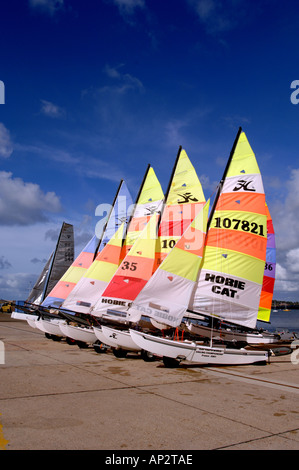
(225,285)
(187,197)
(294,96)
(2,353)
(245,185)
(2,92)
(106,300)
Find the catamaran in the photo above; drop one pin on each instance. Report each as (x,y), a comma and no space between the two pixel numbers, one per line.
(57,264)
(64,293)
(80,302)
(227,331)
(224,282)
(183,200)
(48,317)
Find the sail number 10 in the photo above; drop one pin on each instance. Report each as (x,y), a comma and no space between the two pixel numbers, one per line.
(236,224)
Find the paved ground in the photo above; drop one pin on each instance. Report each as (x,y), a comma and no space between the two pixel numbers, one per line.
(57,396)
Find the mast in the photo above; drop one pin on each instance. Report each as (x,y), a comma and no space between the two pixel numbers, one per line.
(220,185)
(108,218)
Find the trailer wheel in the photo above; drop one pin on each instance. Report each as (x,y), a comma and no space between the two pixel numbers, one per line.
(170,362)
(147,356)
(120,352)
(70,341)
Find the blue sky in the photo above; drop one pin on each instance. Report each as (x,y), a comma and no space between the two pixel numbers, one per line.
(96,90)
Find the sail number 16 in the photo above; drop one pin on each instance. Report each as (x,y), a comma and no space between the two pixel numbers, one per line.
(236,224)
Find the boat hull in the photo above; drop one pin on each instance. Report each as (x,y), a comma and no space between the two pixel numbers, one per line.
(32,322)
(85,335)
(194,352)
(121,338)
(231,335)
(101,337)
(23,316)
(49,326)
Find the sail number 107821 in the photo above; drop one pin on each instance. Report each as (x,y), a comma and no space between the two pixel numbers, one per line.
(238,224)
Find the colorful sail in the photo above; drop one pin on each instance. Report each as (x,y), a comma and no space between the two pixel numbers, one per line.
(184,200)
(166,296)
(269,274)
(119,211)
(92,284)
(57,264)
(148,202)
(231,276)
(133,273)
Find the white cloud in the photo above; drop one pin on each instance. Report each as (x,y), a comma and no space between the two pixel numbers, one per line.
(4,263)
(49,153)
(293,261)
(16,286)
(6,147)
(24,203)
(285,283)
(173,130)
(129,6)
(125,81)
(287,276)
(47,6)
(284,214)
(217,15)
(51,110)
(286,226)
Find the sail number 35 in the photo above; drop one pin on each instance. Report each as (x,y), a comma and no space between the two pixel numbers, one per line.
(236,224)
(131,266)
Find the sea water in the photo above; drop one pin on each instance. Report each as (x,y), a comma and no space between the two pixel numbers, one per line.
(282,320)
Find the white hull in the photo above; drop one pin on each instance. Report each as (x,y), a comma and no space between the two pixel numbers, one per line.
(101,337)
(194,352)
(86,335)
(32,322)
(121,338)
(23,316)
(231,335)
(49,326)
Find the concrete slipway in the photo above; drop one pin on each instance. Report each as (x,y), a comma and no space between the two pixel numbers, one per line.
(56,396)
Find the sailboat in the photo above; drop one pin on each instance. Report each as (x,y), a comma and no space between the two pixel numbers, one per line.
(132,274)
(139,243)
(83,298)
(55,267)
(50,318)
(69,284)
(184,199)
(227,285)
(119,212)
(227,331)
(94,280)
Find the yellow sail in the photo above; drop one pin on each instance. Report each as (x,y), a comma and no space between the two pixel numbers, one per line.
(232,273)
(89,288)
(166,296)
(184,201)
